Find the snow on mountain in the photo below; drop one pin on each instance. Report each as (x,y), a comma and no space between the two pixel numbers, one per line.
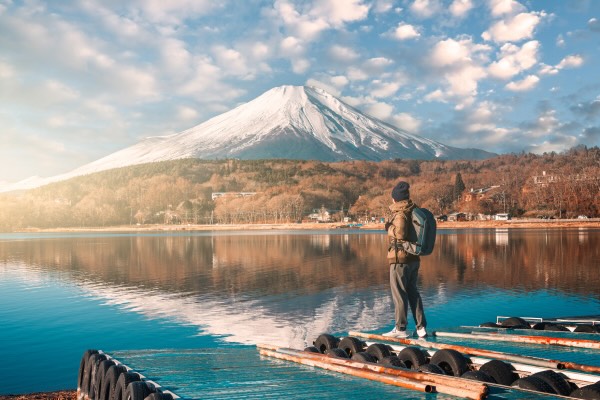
(294,122)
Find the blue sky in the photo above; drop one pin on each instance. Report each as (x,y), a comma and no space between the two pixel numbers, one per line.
(84,78)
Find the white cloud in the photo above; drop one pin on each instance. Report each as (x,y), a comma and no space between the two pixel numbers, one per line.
(328,87)
(174,12)
(380,110)
(449,52)
(572,61)
(594,24)
(303,26)
(560,41)
(502,7)
(405,31)
(515,29)
(377,64)
(384,89)
(514,59)
(7,71)
(436,95)
(342,54)
(176,60)
(338,12)
(407,122)
(523,85)
(357,74)
(547,70)
(460,8)
(232,62)
(383,6)
(186,113)
(425,8)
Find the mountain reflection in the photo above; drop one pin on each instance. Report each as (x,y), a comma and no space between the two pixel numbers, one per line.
(273,264)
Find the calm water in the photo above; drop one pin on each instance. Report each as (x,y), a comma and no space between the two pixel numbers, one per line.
(61,294)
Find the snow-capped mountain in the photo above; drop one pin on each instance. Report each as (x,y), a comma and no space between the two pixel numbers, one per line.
(294,122)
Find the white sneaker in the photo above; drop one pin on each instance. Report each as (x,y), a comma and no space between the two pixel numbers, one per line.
(396,333)
(421,332)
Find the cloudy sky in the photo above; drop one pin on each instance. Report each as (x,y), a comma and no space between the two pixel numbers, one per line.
(81,79)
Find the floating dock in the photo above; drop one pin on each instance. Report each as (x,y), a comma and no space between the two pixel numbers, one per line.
(515,359)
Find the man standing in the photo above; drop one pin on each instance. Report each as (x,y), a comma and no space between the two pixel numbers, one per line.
(404,267)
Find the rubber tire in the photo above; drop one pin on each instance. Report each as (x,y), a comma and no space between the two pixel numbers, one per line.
(312,349)
(556,328)
(490,325)
(533,383)
(159,396)
(587,329)
(503,373)
(87,385)
(413,357)
(110,381)
(555,380)
(515,322)
(122,383)
(539,326)
(100,373)
(138,390)
(587,392)
(478,376)
(339,353)
(364,357)
(86,355)
(431,368)
(379,351)
(451,361)
(351,345)
(392,362)
(94,377)
(326,342)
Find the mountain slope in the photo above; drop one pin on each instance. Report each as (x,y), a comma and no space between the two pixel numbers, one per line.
(295,122)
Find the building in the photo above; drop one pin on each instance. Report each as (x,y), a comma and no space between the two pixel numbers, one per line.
(216,195)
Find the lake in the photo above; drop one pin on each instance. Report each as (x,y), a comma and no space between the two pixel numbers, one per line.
(63,293)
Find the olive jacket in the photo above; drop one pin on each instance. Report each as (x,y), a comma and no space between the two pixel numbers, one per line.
(398,227)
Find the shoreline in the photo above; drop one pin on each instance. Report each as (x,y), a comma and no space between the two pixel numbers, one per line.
(56,395)
(515,223)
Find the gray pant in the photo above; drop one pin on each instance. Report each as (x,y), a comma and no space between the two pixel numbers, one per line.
(403,282)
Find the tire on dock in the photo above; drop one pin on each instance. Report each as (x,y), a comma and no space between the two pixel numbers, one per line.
(503,373)
(478,376)
(586,328)
(351,345)
(88,374)
(515,323)
(337,352)
(138,390)
(84,359)
(432,368)
(379,351)
(311,349)
(393,361)
(326,341)
(100,374)
(159,396)
(364,357)
(533,383)
(556,381)
(122,383)
(109,382)
(413,357)
(451,361)
(587,392)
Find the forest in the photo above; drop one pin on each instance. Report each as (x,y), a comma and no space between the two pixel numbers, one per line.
(550,185)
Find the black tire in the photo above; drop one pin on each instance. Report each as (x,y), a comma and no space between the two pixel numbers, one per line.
(451,361)
(412,357)
(122,383)
(100,373)
(533,383)
(392,361)
(364,357)
(351,345)
(516,323)
(503,373)
(587,328)
(110,381)
(326,342)
(312,349)
(478,376)
(539,326)
(379,351)
(138,390)
(87,384)
(337,353)
(490,325)
(556,328)
(431,368)
(86,355)
(587,392)
(555,380)
(94,377)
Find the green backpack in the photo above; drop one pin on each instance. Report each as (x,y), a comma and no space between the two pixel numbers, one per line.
(421,233)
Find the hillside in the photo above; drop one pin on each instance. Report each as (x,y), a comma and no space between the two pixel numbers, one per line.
(180,191)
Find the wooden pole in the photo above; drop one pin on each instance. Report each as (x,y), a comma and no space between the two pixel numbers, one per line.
(555,341)
(440,383)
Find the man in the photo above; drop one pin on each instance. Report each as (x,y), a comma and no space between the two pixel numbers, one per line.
(404,267)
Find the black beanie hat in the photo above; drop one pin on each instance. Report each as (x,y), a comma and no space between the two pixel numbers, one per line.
(400,191)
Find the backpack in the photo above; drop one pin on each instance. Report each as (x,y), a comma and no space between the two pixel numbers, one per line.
(422,231)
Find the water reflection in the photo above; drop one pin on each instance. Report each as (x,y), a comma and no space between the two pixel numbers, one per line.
(286,288)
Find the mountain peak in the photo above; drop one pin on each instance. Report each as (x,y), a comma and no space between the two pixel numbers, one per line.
(294,122)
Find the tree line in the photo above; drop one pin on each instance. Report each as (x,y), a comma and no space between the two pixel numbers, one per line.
(557,185)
